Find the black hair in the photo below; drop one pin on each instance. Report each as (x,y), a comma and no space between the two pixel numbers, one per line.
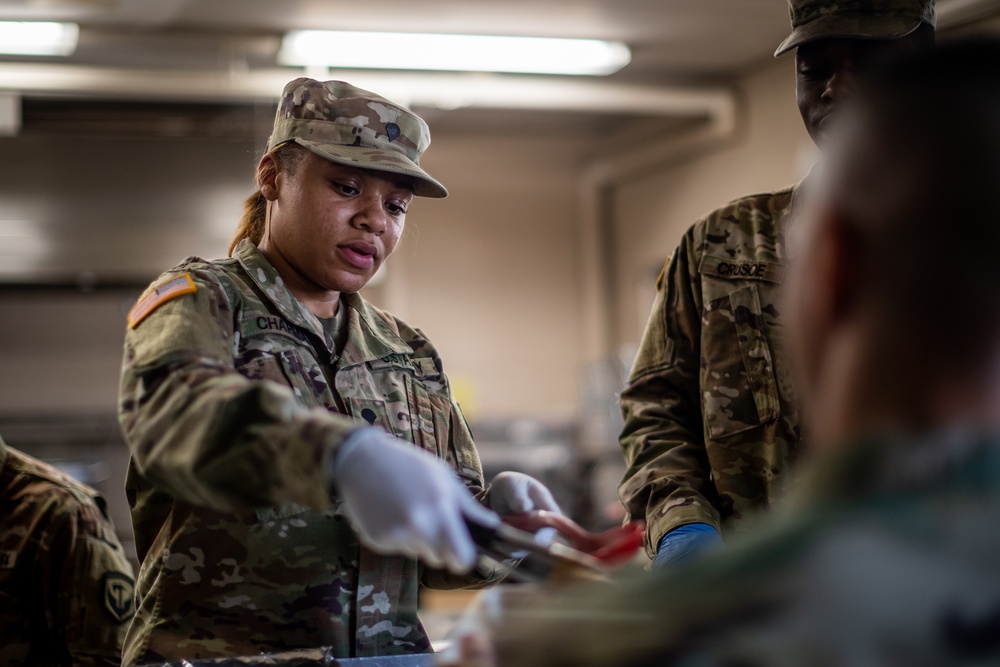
(287,157)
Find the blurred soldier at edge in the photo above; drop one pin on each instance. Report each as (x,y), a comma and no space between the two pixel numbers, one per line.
(66,588)
(711,422)
(889,554)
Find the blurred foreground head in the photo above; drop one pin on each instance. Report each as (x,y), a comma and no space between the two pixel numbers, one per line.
(886,553)
(896,295)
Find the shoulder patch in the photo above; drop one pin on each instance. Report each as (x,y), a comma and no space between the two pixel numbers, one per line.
(119,596)
(169,290)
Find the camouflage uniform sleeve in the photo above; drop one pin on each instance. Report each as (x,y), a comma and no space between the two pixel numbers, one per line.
(668,479)
(463,448)
(705,613)
(462,455)
(95,594)
(204,432)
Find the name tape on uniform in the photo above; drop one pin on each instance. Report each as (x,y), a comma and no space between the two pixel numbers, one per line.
(740,269)
(171,289)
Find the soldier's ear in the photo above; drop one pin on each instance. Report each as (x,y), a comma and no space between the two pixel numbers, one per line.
(267,177)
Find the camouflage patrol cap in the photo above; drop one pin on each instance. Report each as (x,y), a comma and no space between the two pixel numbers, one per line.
(354,127)
(858,19)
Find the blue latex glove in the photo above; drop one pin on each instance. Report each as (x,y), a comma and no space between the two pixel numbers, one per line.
(685,543)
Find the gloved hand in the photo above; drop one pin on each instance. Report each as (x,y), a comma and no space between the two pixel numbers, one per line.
(686,542)
(515,492)
(402,500)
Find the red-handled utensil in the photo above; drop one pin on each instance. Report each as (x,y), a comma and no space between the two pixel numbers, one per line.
(612,547)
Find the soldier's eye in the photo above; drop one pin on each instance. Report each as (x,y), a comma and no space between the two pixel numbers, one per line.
(345,189)
(815,71)
(396,208)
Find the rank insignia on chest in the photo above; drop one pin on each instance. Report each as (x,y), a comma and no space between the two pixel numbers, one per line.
(7,560)
(119,596)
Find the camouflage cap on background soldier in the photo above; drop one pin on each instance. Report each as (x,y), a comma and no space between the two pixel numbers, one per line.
(354,127)
(854,19)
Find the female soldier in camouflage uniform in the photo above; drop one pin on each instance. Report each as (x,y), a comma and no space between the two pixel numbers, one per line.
(277,496)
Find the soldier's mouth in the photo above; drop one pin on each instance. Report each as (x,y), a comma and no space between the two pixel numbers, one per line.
(360,254)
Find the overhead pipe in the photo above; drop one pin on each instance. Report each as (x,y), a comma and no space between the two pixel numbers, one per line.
(595,220)
(715,108)
(466,90)
(957,13)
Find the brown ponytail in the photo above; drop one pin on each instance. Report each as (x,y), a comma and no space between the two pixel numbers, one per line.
(288,157)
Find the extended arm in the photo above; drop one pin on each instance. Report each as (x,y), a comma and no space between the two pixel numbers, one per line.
(668,481)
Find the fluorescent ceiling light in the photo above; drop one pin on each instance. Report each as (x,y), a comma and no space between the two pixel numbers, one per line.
(468,53)
(38,38)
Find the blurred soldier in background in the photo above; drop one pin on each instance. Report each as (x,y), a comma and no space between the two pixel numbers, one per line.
(711,421)
(66,588)
(889,554)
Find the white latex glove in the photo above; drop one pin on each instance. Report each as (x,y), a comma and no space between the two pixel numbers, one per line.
(402,500)
(515,492)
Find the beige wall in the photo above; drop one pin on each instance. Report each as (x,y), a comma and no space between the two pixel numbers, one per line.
(491,274)
(488,273)
(771,149)
(60,352)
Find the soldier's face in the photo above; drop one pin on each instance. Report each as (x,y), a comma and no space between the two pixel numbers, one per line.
(826,73)
(333,226)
